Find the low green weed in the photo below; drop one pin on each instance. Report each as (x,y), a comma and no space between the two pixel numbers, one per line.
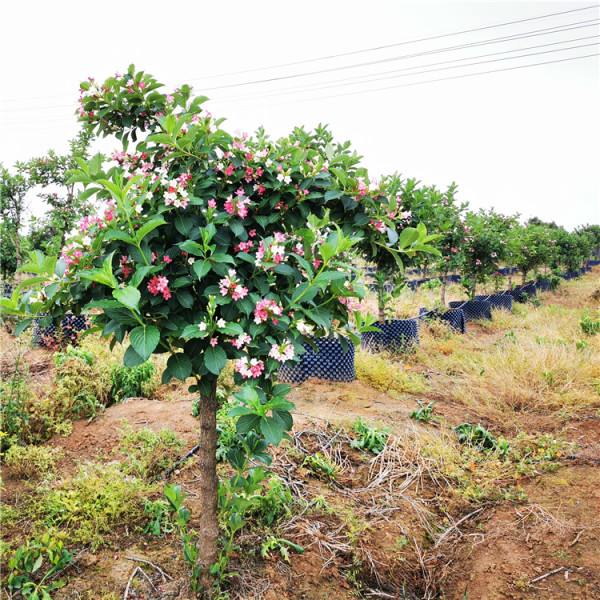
(282,545)
(424,414)
(157,513)
(320,466)
(90,504)
(32,461)
(133,382)
(589,326)
(370,437)
(148,454)
(480,437)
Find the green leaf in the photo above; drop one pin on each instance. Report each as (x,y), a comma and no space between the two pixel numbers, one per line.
(179,366)
(131,358)
(144,340)
(272,430)
(408,236)
(222,258)
(215,359)
(145,229)
(201,268)
(247,423)
(20,328)
(129,296)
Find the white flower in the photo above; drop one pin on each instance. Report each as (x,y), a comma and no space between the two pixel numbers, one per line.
(86,240)
(221,323)
(202,326)
(139,208)
(287,179)
(191,261)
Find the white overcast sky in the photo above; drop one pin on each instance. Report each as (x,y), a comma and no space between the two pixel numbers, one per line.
(520,140)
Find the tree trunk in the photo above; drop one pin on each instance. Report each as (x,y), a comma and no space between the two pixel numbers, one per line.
(524,277)
(209,487)
(473,290)
(17,244)
(444,284)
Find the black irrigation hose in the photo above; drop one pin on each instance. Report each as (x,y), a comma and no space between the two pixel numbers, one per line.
(171,469)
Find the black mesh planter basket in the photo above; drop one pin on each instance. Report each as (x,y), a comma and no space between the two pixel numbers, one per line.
(6,290)
(543,286)
(474,310)
(399,335)
(330,363)
(455,317)
(497,301)
(70,326)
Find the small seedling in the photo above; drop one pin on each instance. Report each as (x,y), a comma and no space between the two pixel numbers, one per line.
(280,544)
(320,465)
(423,414)
(370,438)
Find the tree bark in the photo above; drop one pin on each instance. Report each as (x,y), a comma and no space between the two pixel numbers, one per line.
(209,487)
(524,277)
(444,284)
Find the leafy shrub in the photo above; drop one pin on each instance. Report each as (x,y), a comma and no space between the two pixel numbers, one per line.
(370,437)
(71,352)
(480,438)
(432,284)
(31,461)
(148,454)
(273,503)
(132,382)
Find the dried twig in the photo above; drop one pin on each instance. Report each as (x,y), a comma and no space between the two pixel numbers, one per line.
(455,526)
(547,575)
(164,575)
(141,571)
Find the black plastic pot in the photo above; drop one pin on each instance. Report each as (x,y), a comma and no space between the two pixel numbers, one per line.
(474,310)
(543,286)
(330,363)
(455,317)
(497,301)
(70,326)
(399,335)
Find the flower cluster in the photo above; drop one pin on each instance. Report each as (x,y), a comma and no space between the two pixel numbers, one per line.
(265,309)
(237,205)
(282,352)
(176,195)
(252,368)
(231,285)
(241,341)
(159,285)
(273,252)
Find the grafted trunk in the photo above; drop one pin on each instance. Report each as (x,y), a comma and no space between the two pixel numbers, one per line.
(209,487)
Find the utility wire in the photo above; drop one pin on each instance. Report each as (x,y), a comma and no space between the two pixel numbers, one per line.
(512,37)
(394,73)
(371,90)
(428,81)
(534,33)
(354,52)
(396,44)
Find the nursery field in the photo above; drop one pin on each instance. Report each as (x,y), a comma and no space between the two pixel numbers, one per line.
(469,468)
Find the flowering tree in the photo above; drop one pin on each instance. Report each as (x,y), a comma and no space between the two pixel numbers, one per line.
(531,247)
(212,248)
(485,244)
(66,207)
(13,204)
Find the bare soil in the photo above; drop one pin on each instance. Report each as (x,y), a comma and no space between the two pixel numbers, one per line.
(545,545)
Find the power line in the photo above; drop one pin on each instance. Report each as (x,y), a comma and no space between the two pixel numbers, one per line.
(433,80)
(351,53)
(396,44)
(365,78)
(509,38)
(534,33)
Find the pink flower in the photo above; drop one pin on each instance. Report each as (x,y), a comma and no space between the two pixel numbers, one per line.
(267,308)
(214,342)
(169,99)
(159,285)
(231,285)
(282,352)
(212,204)
(249,369)
(241,341)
